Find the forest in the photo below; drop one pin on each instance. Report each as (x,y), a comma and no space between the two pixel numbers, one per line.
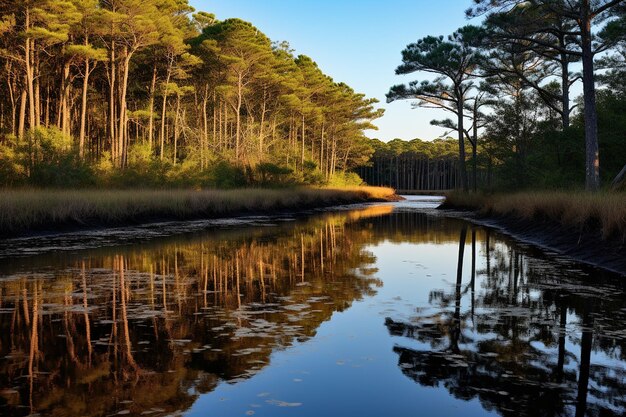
(131,93)
(151,93)
(536,94)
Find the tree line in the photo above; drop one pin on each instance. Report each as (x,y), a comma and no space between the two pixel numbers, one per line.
(508,85)
(416,165)
(150,92)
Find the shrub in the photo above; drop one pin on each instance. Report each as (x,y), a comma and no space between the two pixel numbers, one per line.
(269,173)
(12,169)
(345,179)
(225,175)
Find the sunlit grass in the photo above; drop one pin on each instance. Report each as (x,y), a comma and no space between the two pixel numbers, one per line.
(605,210)
(25,210)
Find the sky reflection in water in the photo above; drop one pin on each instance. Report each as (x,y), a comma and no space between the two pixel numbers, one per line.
(363,312)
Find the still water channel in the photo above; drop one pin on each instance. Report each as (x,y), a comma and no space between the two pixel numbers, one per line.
(378,310)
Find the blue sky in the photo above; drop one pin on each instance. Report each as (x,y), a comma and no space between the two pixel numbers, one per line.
(357,42)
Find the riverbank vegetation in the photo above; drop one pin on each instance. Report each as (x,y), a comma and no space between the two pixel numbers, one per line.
(150,94)
(578,210)
(24,211)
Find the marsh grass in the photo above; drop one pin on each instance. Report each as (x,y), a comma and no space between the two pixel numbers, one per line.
(22,211)
(604,210)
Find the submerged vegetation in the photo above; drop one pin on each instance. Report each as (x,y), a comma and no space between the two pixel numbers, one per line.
(28,210)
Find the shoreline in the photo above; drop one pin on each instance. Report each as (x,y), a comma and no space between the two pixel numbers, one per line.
(33,213)
(585,245)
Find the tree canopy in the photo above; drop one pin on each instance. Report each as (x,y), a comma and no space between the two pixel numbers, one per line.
(150,93)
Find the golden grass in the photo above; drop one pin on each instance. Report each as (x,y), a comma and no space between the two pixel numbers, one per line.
(606,210)
(25,210)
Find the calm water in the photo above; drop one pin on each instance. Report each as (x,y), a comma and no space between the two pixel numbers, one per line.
(385,310)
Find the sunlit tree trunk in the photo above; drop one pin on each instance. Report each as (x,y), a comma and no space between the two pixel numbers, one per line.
(28,78)
(123,120)
(176,128)
(83,109)
(112,86)
(151,108)
(302,145)
(64,117)
(22,120)
(168,77)
(238,116)
(205,127)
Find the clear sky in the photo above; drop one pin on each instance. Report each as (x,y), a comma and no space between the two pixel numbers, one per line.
(357,42)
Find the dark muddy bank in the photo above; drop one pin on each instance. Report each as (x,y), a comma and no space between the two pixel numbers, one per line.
(584,243)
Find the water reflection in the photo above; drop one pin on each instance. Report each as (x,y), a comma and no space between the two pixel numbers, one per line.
(523,346)
(135,330)
(162,327)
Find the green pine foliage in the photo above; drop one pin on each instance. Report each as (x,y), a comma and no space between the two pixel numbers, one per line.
(510,83)
(147,93)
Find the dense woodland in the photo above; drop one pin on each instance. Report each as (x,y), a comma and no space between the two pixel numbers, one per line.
(510,86)
(147,92)
(414,165)
(152,93)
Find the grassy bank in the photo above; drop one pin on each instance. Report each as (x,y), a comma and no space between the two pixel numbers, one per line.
(25,211)
(584,211)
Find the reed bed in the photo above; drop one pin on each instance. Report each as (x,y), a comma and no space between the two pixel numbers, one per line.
(604,210)
(23,211)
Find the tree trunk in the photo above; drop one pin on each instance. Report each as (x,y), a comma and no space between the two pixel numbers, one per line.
(565,87)
(592,178)
(262,126)
(123,122)
(163,111)
(29,73)
(12,97)
(151,108)
(238,116)
(461,141)
(474,151)
(302,150)
(83,109)
(322,148)
(176,132)
(214,119)
(64,117)
(205,127)
(112,84)
(37,88)
(20,129)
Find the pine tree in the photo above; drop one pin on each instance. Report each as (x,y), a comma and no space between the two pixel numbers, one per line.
(454,61)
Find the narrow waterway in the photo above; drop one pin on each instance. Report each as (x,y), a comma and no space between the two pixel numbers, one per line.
(380,310)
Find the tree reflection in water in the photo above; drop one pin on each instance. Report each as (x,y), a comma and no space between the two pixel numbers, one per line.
(524,346)
(148,328)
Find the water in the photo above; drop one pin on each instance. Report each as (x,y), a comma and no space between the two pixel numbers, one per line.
(383,310)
